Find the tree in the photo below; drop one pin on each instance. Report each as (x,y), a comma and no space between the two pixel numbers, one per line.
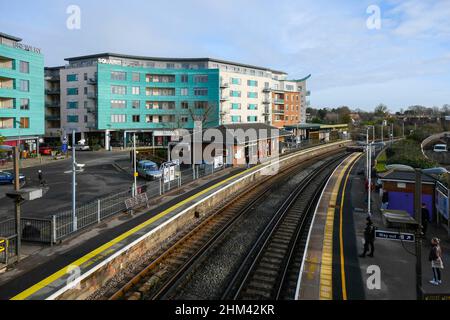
(381,110)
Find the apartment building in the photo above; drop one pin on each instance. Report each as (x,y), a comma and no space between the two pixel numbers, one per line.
(21,93)
(52,103)
(111,96)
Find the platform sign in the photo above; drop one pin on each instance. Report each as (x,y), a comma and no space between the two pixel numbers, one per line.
(395,236)
(166,174)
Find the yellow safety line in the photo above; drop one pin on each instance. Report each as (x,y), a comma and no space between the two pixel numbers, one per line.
(326,268)
(42,284)
(341,237)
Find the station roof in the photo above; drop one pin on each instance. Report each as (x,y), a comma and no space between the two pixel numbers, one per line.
(316,126)
(124,56)
(10,37)
(405,176)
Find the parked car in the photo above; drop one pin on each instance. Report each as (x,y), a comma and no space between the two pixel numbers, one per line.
(80,147)
(8,178)
(440,148)
(45,150)
(148,170)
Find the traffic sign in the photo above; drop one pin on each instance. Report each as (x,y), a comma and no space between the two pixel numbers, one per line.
(395,236)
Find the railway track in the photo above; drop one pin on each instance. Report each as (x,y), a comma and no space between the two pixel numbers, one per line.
(160,278)
(270,270)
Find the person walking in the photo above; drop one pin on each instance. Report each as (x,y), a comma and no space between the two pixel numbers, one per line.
(369,239)
(436,261)
(425,218)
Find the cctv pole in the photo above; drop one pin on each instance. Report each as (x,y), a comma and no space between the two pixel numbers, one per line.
(74,187)
(17,200)
(418,242)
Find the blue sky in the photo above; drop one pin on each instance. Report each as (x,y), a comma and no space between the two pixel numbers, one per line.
(405,62)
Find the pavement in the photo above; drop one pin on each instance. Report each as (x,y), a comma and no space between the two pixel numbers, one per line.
(350,276)
(101,177)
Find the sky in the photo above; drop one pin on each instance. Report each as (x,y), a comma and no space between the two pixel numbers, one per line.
(354,61)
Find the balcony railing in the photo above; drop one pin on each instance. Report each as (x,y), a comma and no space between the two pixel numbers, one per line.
(92,81)
(53,118)
(278,111)
(279,101)
(224,98)
(91,109)
(267,89)
(52,91)
(92,95)
(267,101)
(224,85)
(52,78)
(55,105)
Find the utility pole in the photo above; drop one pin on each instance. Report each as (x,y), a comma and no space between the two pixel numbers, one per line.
(74,183)
(418,242)
(16,151)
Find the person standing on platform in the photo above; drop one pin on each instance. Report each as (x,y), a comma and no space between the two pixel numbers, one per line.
(369,239)
(425,218)
(436,261)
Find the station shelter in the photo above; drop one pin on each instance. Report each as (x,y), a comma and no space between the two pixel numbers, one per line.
(319,132)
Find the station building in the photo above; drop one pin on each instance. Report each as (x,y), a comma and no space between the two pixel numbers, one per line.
(108,97)
(21,93)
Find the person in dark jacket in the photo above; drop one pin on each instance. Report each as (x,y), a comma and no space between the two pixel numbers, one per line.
(425,218)
(369,239)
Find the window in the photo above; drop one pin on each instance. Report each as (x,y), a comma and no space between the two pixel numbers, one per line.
(170,66)
(184,91)
(6,123)
(236,106)
(236,81)
(85,76)
(85,104)
(252,83)
(184,78)
(136,118)
(72,119)
(24,104)
(200,92)
(184,119)
(118,104)
(136,90)
(201,78)
(136,77)
(201,104)
(253,95)
(136,104)
(289,87)
(252,107)
(72,77)
(24,67)
(118,118)
(236,94)
(24,85)
(118,90)
(118,75)
(24,123)
(184,105)
(85,91)
(85,119)
(72,91)
(72,105)
(252,119)
(235,119)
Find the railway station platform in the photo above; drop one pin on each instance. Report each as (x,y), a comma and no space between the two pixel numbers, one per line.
(332,268)
(73,273)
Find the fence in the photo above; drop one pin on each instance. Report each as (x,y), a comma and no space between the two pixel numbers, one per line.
(8,249)
(59,226)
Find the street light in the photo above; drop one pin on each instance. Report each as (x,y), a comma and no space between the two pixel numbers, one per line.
(418,214)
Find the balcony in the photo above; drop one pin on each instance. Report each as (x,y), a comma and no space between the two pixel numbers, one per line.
(278,101)
(267,101)
(92,95)
(53,91)
(278,111)
(52,78)
(224,98)
(91,110)
(267,89)
(53,117)
(6,83)
(224,85)
(55,105)
(92,81)
(6,63)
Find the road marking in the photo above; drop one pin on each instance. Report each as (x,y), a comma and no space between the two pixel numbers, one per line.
(341,236)
(62,272)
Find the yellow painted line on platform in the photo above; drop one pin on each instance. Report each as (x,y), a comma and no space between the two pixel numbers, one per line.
(44,283)
(341,237)
(326,268)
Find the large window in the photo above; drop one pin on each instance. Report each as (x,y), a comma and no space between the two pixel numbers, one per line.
(24,85)
(252,83)
(252,107)
(201,78)
(184,91)
(118,118)
(24,123)
(118,75)
(253,95)
(201,104)
(235,119)
(72,119)
(6,123)
(118,104)
(24,67)
(136,91)
(236,106)
(201,92)
(136,104)
(72,91)
(136,118)
(184,78)
(236,81)
(118,90)
(72,77)
(252,119)
(136,77)
(236,94)
(184,105)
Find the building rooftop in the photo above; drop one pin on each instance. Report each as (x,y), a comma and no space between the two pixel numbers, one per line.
(118,55)
(405,176)
(316,126)
(7,36)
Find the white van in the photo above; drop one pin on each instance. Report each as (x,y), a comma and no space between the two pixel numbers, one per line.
(440,148)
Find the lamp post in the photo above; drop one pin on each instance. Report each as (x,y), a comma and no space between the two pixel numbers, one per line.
(135,174)
(418,216)
(74,184)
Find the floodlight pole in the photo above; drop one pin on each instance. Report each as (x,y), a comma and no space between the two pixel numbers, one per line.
(74,184)
(418,242)
(17,201)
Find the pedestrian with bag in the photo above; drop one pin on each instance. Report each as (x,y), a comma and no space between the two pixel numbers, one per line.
(436,261)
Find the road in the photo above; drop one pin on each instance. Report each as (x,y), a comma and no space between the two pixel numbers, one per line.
(99,178)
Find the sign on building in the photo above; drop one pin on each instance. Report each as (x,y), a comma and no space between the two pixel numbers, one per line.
(395,236)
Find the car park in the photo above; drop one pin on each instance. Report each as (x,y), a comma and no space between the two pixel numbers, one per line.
(8,178)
